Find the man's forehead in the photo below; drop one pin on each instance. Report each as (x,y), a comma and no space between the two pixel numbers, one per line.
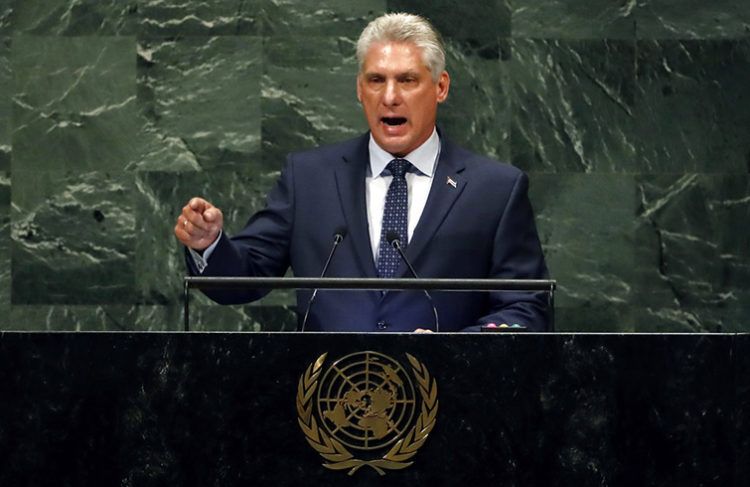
(405,56)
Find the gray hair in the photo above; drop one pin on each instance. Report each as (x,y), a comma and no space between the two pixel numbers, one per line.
(402,27)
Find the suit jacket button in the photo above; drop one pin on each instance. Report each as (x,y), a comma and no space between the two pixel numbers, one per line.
(382,325)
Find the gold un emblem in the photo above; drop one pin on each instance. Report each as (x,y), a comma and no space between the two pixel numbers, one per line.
(363,410)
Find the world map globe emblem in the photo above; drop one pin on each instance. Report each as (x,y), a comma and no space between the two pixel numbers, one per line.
(366,400)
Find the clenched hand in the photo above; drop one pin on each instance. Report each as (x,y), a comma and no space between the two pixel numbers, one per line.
(199,224)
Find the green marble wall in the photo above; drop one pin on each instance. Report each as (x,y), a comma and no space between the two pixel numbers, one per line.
(632,118)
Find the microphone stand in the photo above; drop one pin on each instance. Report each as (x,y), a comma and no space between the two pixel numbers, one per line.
(338,236)
(395,241)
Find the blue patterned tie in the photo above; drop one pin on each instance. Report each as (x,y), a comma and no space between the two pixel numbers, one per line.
(395,217)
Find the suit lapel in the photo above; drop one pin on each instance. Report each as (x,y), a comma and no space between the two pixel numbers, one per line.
(350,182)
(447,185)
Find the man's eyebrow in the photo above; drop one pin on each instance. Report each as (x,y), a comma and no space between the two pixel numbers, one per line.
(408,74)
(405,74)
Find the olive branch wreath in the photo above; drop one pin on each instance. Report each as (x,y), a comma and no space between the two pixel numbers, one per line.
(336,454)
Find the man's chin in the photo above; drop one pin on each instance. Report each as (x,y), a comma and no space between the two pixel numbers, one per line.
(395,145)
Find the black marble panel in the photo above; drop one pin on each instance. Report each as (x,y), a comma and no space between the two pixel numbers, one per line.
(6,91)
(74,103)
(691,106)
(6,10)
(5,256)
(78,318)
(477,112)
(693,258)
(563,19)
(479,24)
(265,315)
(194,17)
(209,409)
(573,106)
(622,317)
(624,19)
(692,19)
(200,98)
(268,314)
(6,81)
(73,237)
(71,17)
(659,318)
(309,95)
(585,224)
(332,18)
(665,317)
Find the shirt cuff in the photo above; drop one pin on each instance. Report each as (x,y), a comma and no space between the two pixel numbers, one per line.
(201,261)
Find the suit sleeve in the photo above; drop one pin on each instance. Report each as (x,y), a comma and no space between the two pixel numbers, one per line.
(261,249)
(517,254)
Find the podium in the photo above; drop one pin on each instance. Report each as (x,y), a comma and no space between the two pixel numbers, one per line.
(148,409)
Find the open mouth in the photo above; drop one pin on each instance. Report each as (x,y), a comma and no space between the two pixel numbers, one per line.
(393,121)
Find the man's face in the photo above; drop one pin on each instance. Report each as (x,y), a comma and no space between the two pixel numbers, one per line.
(398,96)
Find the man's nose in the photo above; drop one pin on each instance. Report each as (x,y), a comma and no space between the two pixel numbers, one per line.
(392,95)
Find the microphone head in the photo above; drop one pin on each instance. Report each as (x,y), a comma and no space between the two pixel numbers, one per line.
(393,238)
(340,232)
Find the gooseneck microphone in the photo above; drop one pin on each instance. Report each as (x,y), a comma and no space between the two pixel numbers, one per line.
(393,238)
(338,237)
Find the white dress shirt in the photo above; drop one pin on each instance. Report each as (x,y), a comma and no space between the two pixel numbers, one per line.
(424,159)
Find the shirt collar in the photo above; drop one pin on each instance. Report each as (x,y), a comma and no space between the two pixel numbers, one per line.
(423,157)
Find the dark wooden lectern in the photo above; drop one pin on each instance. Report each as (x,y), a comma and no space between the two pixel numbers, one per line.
(210,409)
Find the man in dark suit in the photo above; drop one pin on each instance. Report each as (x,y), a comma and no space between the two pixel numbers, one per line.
(458,215)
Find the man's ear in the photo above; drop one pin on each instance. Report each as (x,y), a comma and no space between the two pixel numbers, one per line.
(443,86)
(359,88)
